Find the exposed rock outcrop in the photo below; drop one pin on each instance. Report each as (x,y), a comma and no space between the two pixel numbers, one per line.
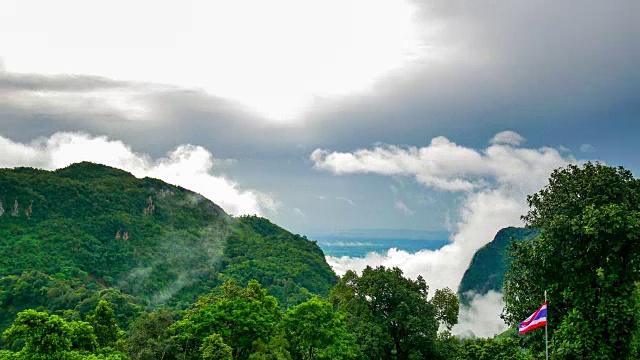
(150,207)
(16,208)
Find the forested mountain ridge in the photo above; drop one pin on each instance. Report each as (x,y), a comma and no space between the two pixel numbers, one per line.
(71,237)
(489,265)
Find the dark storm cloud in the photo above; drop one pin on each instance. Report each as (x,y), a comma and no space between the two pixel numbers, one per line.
(530,66)
(150,117)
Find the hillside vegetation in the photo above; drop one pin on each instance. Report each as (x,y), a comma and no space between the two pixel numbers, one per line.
(71,237)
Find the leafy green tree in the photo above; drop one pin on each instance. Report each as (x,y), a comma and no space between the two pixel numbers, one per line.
(44,336)
(448,347)
(314,329)
(447,307)
(104,324)
(240,315)
(8,355)
(587,257)
(389,313)
(147,336)
(214,348)
(276,349)
(491,349)
(82,336)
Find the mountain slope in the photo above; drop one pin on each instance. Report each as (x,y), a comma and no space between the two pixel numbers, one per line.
(489,264)
(85,232)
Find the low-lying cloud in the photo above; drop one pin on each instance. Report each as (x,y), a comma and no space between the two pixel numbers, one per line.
(494,182)
(479,318)
(189,166)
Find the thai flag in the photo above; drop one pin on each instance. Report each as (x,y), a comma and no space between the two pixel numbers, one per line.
(539,318)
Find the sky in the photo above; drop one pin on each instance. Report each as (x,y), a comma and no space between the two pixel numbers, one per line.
(329,116)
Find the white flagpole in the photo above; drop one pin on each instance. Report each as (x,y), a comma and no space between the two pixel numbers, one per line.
(546,337)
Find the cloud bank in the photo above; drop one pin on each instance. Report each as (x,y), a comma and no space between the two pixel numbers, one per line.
(494,183)
(188,166)
(480,319)
(444,165)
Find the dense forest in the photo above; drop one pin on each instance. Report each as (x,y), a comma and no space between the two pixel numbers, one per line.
(97,264)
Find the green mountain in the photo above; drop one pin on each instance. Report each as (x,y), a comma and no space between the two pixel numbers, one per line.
(71,237)
(489,264)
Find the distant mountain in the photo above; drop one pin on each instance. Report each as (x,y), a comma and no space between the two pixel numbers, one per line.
(86,232)
(489,264)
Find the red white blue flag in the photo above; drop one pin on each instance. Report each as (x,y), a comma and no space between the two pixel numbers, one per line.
(539,318)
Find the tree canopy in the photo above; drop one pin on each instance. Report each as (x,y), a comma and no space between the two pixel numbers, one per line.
(390,313)
(315,330)
(587,257)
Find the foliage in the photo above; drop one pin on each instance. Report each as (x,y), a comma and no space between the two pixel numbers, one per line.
(44,336)
(83,337)
(389,313)
(448,347)
(241,316)
(315,330)
(447,307)
(147,336)
(290,266)
(276,349)
(213,348)
(587,258)
(490,349)
(104,324)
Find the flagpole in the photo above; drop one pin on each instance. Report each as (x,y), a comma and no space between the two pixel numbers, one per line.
(546,337)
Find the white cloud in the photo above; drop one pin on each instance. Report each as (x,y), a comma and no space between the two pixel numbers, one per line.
(347,200)
(507,138)
(299,213)
(495,182)
(445,165)
(479,318)
(402,207)
(587,148)
(187,165)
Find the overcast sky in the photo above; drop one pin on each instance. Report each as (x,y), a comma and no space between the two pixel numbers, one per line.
(330,115)
(261,86)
